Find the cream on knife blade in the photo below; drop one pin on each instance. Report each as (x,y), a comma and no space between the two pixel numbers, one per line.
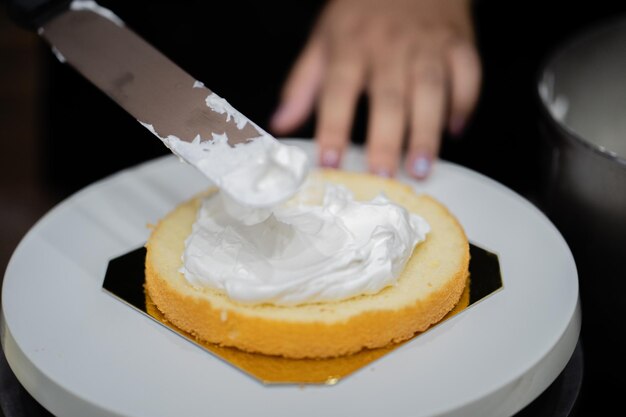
(245,162)
(258,173)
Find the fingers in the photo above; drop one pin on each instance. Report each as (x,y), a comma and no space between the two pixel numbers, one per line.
(300,90)
(427,109)
(340,91)
(422,72)
(387,113)
(465,76)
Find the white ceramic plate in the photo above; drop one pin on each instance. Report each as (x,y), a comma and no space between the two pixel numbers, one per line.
(81,352)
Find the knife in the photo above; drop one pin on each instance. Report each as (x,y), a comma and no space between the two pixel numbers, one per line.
(172,104)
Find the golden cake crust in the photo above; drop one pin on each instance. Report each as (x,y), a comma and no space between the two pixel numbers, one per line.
(427,289)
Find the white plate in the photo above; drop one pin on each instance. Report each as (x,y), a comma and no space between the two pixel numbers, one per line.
(81,352)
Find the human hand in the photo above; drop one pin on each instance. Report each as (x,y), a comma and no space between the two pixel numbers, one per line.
(414,58)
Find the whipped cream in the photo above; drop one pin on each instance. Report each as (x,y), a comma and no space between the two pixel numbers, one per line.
(305,251)
(259,173)
(58,55)
(221,106)
(255,174)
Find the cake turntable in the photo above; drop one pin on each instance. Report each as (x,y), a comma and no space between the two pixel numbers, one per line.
(79,351)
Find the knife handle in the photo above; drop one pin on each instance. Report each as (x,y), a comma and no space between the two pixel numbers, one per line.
(32,14)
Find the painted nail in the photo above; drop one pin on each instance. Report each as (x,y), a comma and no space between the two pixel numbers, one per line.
(420,166)
(329,158)
(382,172)
(457,125)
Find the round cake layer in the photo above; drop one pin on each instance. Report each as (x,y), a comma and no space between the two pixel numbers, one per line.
(429,286)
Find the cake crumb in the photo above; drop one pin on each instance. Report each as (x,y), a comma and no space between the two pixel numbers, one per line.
(332,380)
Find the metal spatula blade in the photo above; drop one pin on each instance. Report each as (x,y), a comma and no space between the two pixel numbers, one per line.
(142,80)
(246,163)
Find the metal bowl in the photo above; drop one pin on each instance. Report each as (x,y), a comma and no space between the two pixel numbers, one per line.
(581,92)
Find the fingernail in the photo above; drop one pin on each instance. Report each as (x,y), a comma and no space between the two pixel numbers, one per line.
(330,158)
(382,172)
(420,166)
(457,125)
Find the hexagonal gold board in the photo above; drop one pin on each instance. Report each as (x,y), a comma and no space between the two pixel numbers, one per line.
(125,277)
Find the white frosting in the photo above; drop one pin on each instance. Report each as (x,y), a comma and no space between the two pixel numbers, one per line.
(255,174)
(304,251)
(261,172)
(58,54)
(96,8)
(221,106)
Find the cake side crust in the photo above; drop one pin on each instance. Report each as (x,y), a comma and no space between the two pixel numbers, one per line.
(319,329)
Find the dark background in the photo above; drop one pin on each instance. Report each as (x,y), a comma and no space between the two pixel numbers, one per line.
(248,70)
(60,134)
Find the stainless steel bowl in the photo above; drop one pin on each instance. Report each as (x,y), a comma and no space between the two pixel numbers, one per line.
(582,96)
(582,91)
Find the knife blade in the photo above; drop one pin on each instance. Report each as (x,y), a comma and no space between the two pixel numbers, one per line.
(141,79)
(248,164)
